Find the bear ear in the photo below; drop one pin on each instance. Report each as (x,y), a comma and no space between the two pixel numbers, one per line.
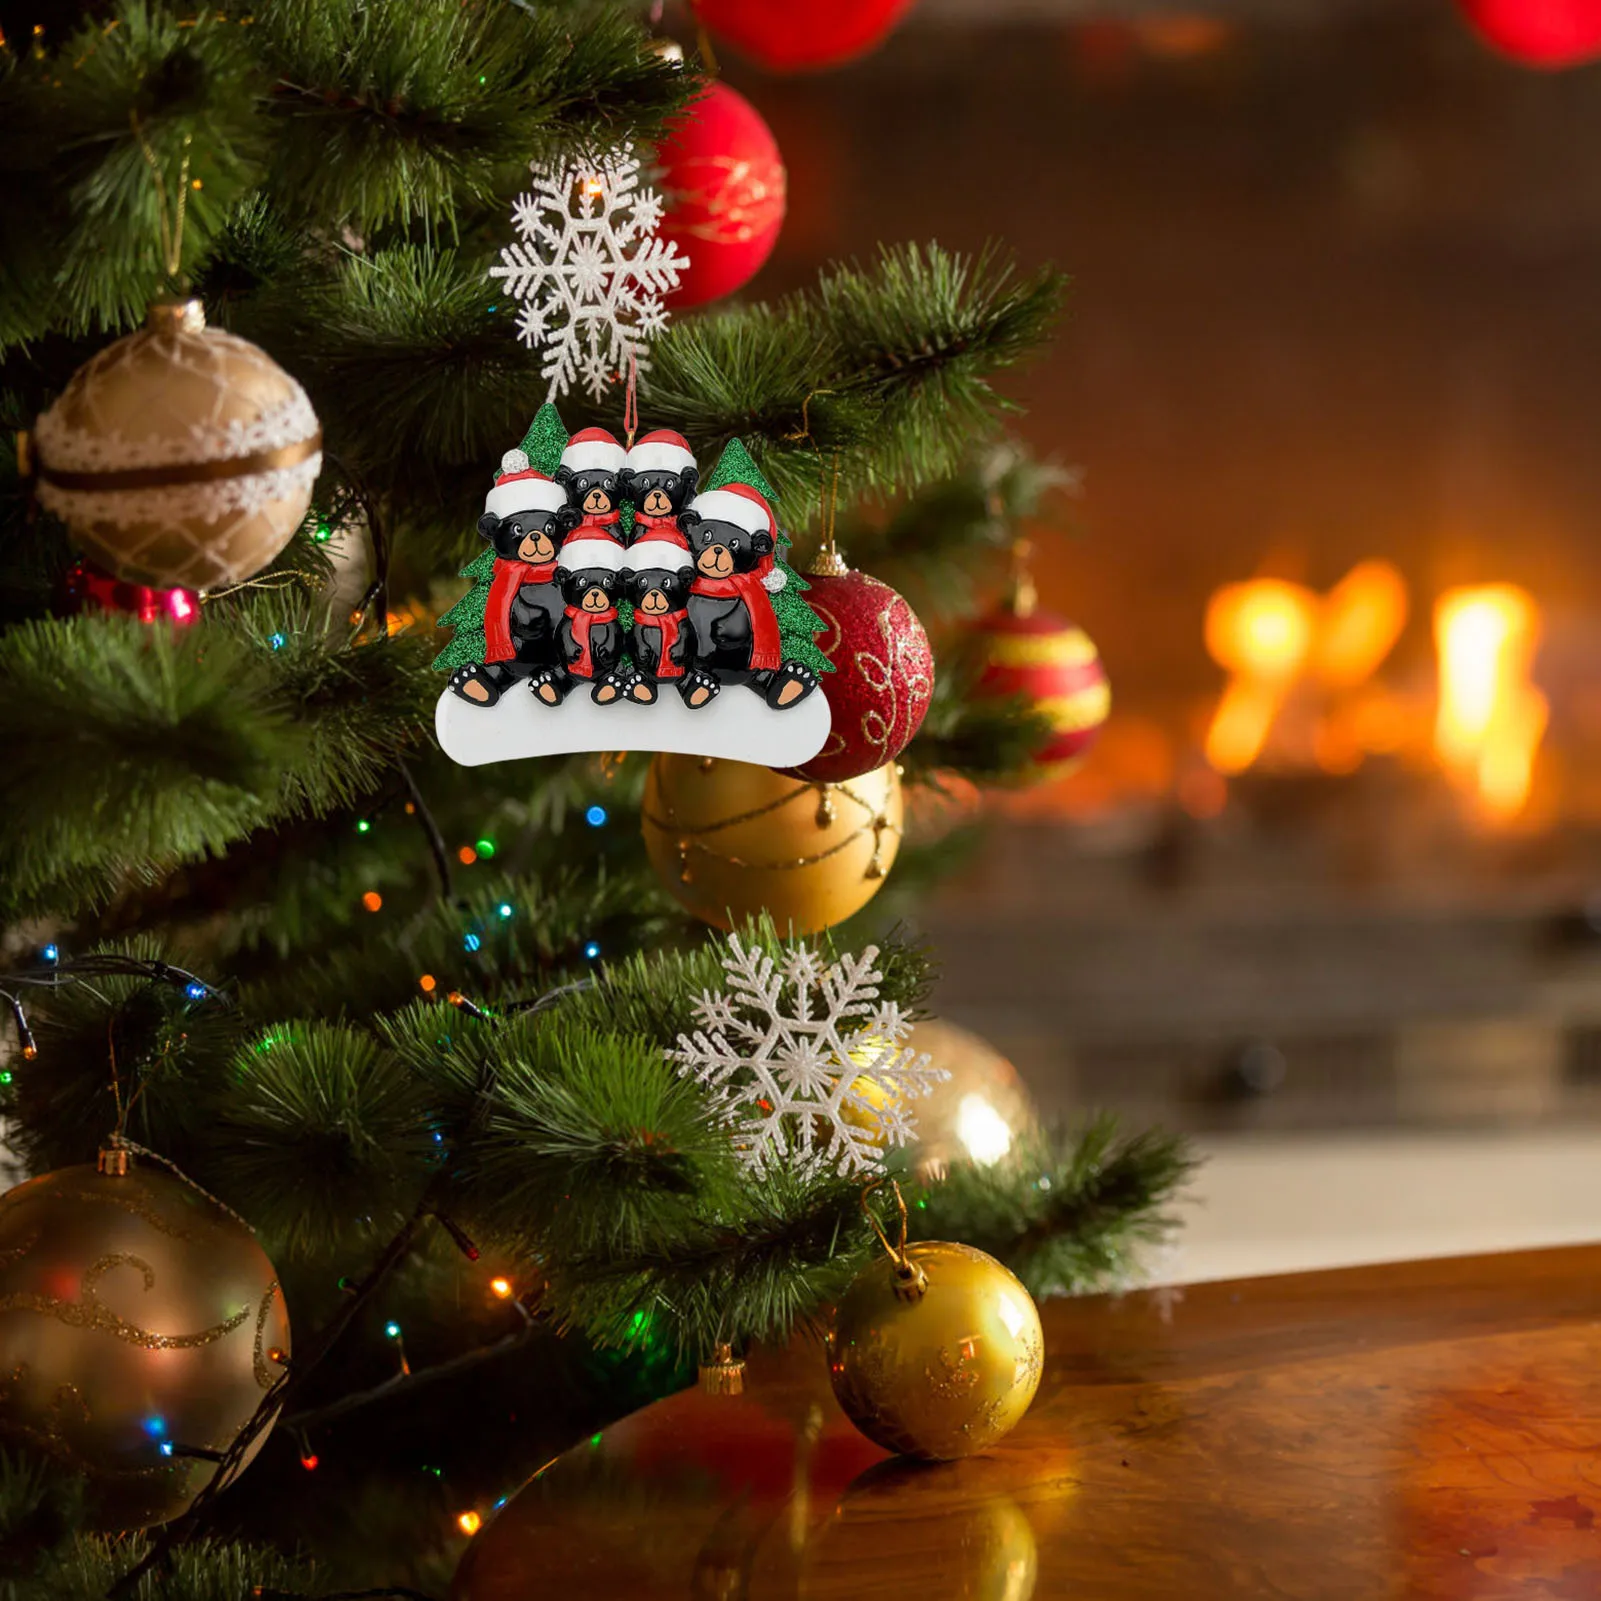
(689,478)
(762,543)
(563,475)
(568,518)
(625,483)
(487,525)
(688,519)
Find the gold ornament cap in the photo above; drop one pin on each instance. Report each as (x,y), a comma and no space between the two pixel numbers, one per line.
(114,1161)
(174,315)
(724,1374)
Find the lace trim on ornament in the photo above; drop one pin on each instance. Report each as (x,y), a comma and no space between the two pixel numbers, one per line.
(79,450)
(211,502)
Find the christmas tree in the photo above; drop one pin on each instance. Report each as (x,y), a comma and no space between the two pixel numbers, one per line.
(413,1022)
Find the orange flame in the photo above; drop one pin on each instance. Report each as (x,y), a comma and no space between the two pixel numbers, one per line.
(1491,718)
(1260,632)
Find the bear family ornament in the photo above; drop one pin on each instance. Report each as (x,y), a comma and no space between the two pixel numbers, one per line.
(622,605)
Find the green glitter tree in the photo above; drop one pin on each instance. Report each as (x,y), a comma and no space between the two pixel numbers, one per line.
(543,444)
(798,624)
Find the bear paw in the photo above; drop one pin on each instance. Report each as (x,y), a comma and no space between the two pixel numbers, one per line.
(613,687)
(789,686)
(698,688)
(641,690)
(550,685)
(476,685)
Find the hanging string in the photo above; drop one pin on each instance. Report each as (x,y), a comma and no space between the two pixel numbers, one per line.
(120,1142)
(169,221)
(631,400)
(829,561)
(703,42)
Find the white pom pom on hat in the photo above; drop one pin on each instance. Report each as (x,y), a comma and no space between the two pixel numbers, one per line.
(578,555)
(515,461)
(661,452)
(593,450)
(738,504)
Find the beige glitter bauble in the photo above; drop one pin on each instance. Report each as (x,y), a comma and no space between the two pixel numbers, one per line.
(180,455)
(136,1318)
(731,840)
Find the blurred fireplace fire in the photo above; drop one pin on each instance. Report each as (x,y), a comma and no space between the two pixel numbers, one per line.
(1304,692)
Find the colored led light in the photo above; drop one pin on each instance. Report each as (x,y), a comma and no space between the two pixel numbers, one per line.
(471,942)
(466,856)
(364,825)
(427,983)
(486,848)
(592,949)
(501,1287)
(277,641)
(195,990)
(309,1461)
(372,900)
(595,816)
(392,1330)
(51,953)
(504,908)
(469,1522)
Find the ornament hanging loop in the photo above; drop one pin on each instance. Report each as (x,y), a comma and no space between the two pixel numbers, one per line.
(911,1282)
(169,220)
(631,400)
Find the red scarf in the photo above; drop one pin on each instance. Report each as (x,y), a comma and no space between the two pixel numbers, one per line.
(661,528)
(601,524)
(582,622)
(668,623)
(509,577)
(764,646)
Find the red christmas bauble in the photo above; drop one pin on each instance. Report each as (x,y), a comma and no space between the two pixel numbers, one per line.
(87,588)
(883,674)
(725,186)
(802,35)
(1057,666)
(1539,33)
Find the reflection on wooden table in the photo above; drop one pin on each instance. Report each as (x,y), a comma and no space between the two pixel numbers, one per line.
(1425,1429)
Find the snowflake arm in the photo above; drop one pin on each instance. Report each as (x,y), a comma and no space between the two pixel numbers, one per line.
(589,270)
(785,1051)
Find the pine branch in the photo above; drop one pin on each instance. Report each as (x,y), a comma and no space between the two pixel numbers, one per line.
(193,739)
(1067,1212)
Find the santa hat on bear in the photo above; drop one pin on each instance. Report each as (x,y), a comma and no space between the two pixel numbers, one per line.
(738,504)
(585,552)
(593,450)
(745,508)
(661,452)
(519,488)
(654,553)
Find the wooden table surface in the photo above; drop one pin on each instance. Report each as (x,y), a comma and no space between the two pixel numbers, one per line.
(1427,1429)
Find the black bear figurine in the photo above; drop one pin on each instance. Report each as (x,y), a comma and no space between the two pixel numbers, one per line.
(659,477)
(657,574)
(732,538)
(526,518)
(590,637)
(591,471)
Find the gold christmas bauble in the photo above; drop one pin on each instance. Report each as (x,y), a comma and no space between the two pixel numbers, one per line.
(730,840)
(981,1110)
(180,455)
(943,1372)
(136,1317)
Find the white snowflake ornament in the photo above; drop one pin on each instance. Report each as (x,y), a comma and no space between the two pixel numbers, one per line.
(784,1048)
(589,270)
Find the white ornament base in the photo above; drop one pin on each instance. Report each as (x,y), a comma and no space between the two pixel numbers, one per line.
(737,726)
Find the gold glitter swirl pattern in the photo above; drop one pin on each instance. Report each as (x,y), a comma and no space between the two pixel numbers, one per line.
(130,1200)
(258,1358)
(90,1313)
